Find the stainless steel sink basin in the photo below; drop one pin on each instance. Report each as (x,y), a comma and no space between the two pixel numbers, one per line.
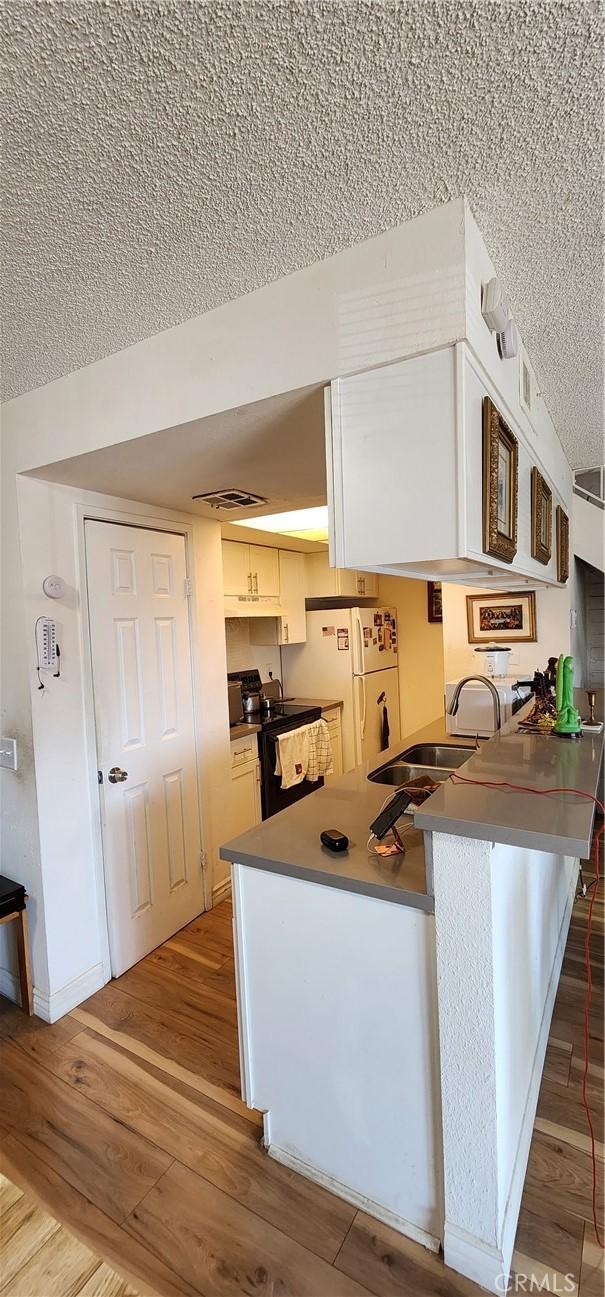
(401,774)
(443,756)
(434,759)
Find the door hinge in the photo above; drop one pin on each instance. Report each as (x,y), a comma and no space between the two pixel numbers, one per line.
(100,776)
(203,860)
(188,589)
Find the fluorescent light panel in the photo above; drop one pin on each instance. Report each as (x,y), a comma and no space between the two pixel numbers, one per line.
(296,521)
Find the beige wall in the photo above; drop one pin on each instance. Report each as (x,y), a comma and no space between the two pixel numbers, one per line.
(552,625)
(420,652)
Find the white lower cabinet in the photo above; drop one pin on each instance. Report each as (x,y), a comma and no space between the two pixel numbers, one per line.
(245,801)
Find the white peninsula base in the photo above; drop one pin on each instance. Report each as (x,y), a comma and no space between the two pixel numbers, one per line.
(338,1042)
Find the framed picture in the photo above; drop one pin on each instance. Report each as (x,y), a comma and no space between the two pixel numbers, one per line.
(501,618)
(500,485)
(541,518)
(562,544)
(435,609)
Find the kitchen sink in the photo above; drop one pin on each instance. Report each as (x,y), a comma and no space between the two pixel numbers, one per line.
(401,774)
(434,759)
(443,756)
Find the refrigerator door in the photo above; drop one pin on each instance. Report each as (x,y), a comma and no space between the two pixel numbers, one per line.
(374,633)
(370,694)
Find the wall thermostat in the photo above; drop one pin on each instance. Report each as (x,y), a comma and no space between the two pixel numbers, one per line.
(53,587)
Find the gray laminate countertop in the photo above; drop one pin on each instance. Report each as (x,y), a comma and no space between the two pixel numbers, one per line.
(327,705)
(288,843)
(560,822)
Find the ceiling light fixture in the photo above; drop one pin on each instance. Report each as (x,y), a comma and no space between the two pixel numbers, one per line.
(293,522)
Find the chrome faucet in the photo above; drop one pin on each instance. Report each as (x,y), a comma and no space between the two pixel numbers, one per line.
(453,707)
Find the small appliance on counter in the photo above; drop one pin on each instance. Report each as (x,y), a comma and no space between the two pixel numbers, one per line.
(493,660)
(274,717)
(236,705)
(475,714)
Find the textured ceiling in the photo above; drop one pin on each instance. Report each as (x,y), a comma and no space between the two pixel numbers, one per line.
(164,156)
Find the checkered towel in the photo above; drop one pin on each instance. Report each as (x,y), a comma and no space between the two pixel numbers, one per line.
(303,753)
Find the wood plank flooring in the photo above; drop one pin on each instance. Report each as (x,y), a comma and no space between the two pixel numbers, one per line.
(40,1256)
(124,1123)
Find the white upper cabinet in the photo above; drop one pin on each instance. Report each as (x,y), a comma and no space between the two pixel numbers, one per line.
(250,573)
(291,626)
(405,473)
(325,582)
(236,568)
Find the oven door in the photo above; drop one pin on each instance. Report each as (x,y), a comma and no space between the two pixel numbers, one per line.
(274,798)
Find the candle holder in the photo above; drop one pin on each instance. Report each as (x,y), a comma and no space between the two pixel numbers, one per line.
(591,695)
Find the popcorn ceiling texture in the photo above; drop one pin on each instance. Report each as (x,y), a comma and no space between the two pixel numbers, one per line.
(165,156)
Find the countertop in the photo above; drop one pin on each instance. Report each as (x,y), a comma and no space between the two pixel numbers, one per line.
(243,729)
(327,705)
(288,843)
(560,823)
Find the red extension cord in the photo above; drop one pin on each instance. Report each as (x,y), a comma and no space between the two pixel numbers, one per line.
(548,792)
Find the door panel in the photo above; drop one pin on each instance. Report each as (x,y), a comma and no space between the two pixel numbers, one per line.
(143,691)
(264,564)
(236,568)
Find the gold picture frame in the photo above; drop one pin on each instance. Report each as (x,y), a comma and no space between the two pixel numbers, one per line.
(501,618)
(541,518)
(562,545)
(500,485)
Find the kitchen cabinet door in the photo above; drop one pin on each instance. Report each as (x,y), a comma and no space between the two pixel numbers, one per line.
(264,566)
(292,627)
(236,568)
(245,807)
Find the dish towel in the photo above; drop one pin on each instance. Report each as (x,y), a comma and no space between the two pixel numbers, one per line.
(320,751)
(304,753)
(292,756)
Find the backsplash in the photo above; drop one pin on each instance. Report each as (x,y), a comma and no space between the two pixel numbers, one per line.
(242,655)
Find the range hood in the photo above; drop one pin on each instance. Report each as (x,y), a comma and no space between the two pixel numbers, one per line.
(253,606)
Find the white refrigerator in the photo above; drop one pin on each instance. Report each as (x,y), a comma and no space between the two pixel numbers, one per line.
(350,655)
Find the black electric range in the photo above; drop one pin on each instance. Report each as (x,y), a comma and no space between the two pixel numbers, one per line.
(281,717)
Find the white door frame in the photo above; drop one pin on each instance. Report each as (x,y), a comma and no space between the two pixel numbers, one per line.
(148,520)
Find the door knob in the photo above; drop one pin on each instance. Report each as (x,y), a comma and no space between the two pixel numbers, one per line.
(117,776)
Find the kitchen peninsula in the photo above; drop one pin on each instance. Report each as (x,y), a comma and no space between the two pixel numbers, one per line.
(394,1014)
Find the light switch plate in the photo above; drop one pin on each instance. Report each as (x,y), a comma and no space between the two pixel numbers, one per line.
(8,753)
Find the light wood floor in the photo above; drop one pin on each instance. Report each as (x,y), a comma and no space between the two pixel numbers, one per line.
(123,1120)
(40,1256)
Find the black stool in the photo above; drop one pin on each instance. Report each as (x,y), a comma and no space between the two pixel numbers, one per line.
(12,906)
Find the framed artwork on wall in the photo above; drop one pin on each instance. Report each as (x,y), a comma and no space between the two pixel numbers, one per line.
(562,544)
(541,518)
(435,607)
(501,618)
(500,485)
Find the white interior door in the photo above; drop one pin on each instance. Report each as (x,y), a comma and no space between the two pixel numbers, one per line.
(143,691)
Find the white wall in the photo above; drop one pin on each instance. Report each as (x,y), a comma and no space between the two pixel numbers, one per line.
(501,920)
(552,620)
(67,882)
(588,532)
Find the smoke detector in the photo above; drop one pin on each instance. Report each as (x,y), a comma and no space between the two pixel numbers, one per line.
(231,498)
(495,310)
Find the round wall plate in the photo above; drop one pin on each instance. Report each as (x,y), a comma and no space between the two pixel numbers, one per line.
(53,587)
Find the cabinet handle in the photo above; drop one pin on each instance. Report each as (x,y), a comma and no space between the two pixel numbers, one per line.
(249,583)
(286,633)
(256,582)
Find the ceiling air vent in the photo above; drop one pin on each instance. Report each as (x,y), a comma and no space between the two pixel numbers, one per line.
(231,499)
